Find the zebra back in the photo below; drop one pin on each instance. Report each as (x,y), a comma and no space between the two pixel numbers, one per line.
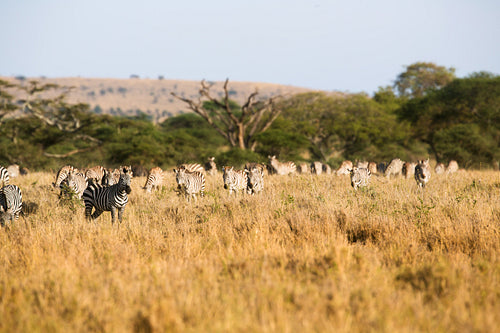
(395,168)
(282,168)
(439,169)
(95,174)
(234,180)
(192,167)
(452,167)
(316,168)
(62,174)
(11,203)
(409,169)
(191,183)
(4,177)
(154,180)
(345,168)
(76,182)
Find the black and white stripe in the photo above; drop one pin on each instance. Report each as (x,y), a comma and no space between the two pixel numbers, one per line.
(282,168)
(191,183)
(62,174)
(255,183)
(11,203)
(154,180)
(74,184)
(4,177)
(360,177)
(422,173)
(192,167)
(110,199)
(95,174)
(234,180)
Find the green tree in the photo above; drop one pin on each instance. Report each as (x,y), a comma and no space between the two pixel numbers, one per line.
(421,77)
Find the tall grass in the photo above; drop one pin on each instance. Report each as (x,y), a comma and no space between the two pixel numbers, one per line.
(308,254)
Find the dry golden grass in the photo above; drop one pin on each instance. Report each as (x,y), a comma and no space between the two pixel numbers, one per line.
(308,254)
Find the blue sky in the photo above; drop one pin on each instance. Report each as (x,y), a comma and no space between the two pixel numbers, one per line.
(329,45)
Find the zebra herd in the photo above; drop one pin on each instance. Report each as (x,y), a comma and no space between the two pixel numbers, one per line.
(107,189)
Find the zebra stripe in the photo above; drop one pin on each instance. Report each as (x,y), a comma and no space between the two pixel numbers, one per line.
(4,177)
(110,199)
(409,169)
(345,168)
(95,174)
(395,168)
(282,168)
(62,174)
(190,183)
(11,203)
(255,182)
(360,177)
(111,177)
(192,167)
(422,173)
(316,168)
(234,180)
(74,184)
(155,179)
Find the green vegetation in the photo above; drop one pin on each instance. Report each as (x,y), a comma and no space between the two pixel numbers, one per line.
(428,113)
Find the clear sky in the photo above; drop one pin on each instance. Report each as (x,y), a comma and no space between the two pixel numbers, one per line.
(351,45)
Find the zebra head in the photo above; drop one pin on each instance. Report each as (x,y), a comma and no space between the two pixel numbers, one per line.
(180,176)
(125,181)
(227,176)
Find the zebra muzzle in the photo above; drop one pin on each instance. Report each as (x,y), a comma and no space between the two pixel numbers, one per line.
(128,189)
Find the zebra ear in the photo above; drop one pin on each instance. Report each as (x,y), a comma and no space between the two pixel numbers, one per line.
(175,171)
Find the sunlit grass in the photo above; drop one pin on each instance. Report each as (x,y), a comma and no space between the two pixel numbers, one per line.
(308,254)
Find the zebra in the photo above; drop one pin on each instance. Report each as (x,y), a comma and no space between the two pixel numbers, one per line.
(360,177)
(345,168)
(95,174)
(326,169)
(192,167)
(111,177)
(282,168)
(381,167)
(316,168)
(13,170)
(255,182)
(452,167)
(211,167)
(362,164)
(395,168)
(439,169)
(11,203)
(303,168)
(234,180)
(422,173)
(62,174)
(372,166)
(75,183)
(4,177)
(108,198)
(154,180)
(190,183)
(408,169)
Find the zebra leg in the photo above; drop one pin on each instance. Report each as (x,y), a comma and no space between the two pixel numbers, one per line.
(120,213)
(97,213)
(113,215)
(88,211)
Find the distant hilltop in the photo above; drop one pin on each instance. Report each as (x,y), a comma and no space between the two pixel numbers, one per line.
(130,97)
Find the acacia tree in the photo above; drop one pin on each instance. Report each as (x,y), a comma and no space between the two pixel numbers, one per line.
(421,77)
(238,125)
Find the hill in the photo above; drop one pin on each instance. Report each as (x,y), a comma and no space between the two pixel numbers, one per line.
(153,97)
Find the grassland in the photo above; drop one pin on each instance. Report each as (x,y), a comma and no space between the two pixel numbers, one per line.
(309,254)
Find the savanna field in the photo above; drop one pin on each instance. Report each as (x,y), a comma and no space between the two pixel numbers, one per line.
(308,254)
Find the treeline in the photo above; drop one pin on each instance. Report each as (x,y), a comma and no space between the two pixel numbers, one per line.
(459,119)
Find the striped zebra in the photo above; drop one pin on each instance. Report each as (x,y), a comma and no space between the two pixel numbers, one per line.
(255,181)
(154,180)
(13,170)
(4,177)
(408,169)
(303,168)
(11,203)
(211,167)
(452,167)
(360,177)
(95,174)
(345,168)
(108,198)
(192,167)
(326,169)
(316,168)
(395,168)
(281,168)
(234,180)
(62,174)
(362,164)
(439,169)
(422,173)
(111,177)
(372,166)
(74,184)
(191,183)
